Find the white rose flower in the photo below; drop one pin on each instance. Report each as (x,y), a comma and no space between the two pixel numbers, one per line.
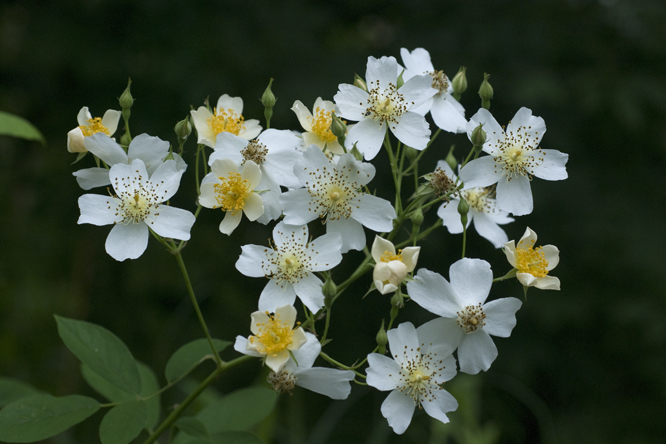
(391,268)
(227,117)
(533,264)
(108,124)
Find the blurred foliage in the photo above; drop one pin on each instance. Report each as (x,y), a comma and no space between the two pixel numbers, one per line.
(583,365)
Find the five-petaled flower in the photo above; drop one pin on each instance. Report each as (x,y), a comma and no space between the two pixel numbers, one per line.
(533,264)
(466,319)
(227,117)
(289,266)
(421,364)
(391,268)
(515,156)
(136,206)
(385,105)
(317,125)
(273,337)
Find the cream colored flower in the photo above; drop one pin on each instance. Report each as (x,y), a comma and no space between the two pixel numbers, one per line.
(533,264)
(227,117)
(391,268)
(89,126)
(317,125)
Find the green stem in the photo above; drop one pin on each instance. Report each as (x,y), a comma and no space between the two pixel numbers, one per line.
(340,365)
(168,422)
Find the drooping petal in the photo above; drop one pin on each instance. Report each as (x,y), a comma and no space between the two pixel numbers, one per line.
(350,231)
(476,352)
(173,222)
(368,136)
(230,222)
(307,354)
(439,405)
(412,129)
(309,291)
(277,361)
(326,381)
(127,241)
(446,116)
(501,316)
(398,409)
(548,283)
(489,229)
(471,279)
(515,195)
(89,178)
(451,218)
(526,279)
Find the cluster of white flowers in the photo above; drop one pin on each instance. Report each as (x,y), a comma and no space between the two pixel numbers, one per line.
(294,178)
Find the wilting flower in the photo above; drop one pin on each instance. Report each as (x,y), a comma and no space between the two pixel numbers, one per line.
(151,150)
(483,211)
(333,193)
(89,126)
(227,117)
(533,264)
(233,192)
(299,371)
(289,265)
(273,337)
(447,113)
(317,125)
(421,364)
(136,206)
(385,105)
(467,320)
(391,268)
(515,156)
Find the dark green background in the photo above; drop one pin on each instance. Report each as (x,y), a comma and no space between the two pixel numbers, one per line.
(585,364)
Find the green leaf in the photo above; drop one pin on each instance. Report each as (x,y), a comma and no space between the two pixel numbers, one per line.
(12,390)
(42,416)
(192,427)
(149,386)
(102,351)
(15,126)
(238,410)
(235,438)
(123,423)
(190,355)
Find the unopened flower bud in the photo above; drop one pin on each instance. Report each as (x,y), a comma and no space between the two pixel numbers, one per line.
(329,289)
(485,92)
(459,82)
(397,302)
(125,140)
(338,127)
(382,339)
(478,137)
(463,209)
(183,129)
(451,159)
(360,83)
(411,153)
(417,217)
(400,81)
(126,100)
(268,98)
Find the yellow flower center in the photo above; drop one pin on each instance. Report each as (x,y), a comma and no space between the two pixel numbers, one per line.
(226,121)
(232,192)
(388,256)
(531,261)
(94,127)
(471,318)
(274,336)
(516,156)
(387,105)
(418,373)
(439,81)
(321,125)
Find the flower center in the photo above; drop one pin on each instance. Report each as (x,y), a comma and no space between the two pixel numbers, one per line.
(471,318)
(388,256)
(387,105)
(94,127)
(439,81)
(331,193)
(479,199)
(226,121)
(441,183)
(291,261)
(282,382)
(531,261)
(321,125)
(254,151)
(516,157)
(232,192)
(138,201)
(417,375)
(274,336)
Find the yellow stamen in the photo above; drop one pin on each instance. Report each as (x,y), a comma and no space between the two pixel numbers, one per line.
(226,121)
(388,256)
(232,192)
(532,261)
(94,127)
(274,336)
(321,125)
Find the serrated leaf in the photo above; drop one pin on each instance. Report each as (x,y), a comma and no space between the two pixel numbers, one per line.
(42,416)
(192,427)
(190,355)
(123,422)
(149,386)
(238,410)
(102,351)
(15,126)
(12,390)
